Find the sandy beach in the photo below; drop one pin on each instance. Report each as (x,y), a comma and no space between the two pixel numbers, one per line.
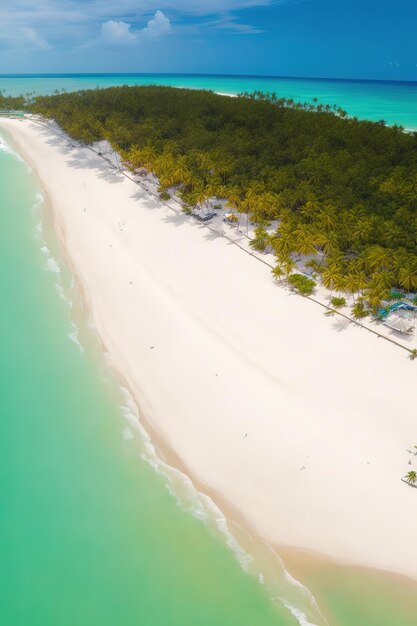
(299,422)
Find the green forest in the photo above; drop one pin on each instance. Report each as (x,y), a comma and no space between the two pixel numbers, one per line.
(342,189)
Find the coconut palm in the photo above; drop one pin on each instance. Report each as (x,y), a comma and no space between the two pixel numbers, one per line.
(149,156)
(378,258)
(310,209)
(304,240)
(201,196)
(331,277)
(327,217)
(284,243)
(411,477)
(407,275)
(327,242)
(278,272)
(351,284)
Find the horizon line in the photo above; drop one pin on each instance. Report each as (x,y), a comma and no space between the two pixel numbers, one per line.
(271,76)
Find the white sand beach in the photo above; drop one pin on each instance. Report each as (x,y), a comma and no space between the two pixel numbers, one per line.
(300,422)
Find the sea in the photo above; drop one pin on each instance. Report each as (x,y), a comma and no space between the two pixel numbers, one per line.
(95,528)
(393,102)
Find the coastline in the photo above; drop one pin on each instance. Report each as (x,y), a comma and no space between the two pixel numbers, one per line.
(253,385)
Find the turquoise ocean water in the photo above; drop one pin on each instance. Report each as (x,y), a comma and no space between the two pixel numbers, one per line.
(394,102)
(94,529)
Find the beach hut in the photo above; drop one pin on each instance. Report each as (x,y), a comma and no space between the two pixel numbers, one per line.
(402,319)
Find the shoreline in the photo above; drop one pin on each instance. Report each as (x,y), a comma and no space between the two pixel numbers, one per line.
(60,212)
(256,557)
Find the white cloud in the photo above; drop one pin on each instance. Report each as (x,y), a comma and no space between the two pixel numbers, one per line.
(122,33)
(31,37)
(228,22)
(65,23)
(23,38)
(157,26)
(118,32)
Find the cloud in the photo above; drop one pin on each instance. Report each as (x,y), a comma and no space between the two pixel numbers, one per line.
(229,22)
(122,33)
(24,38)
(32,37)
(157,26)
(118,32)
(75,23)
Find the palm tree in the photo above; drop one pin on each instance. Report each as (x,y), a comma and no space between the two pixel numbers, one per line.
(378,258)
(351,284)
(149,156)
(331,277)
(284,243)
(304,240)
(234,198)
(201,196)
(310,209)
(278,272)
(181,173)
(374,296)
(327,242)
(407,275)
(413,355)
(411,477)
(328,217)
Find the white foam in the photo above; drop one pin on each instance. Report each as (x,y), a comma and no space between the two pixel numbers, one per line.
(4,147)
(299,615)
(74,336)
(300,586)
(52,265)
(127,434)
(177,483)
(36,213)
(204,509)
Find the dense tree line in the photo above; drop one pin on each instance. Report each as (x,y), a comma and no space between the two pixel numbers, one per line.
(342,189)
(12,103)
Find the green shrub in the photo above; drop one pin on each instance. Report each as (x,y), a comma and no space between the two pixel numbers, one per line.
(164,195)
(338,302)
(359,311)
(301,284)
(260,241)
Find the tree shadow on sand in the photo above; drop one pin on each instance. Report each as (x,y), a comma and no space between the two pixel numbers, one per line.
(341,324)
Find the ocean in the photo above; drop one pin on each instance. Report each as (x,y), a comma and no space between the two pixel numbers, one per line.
(394,102)
(94,527)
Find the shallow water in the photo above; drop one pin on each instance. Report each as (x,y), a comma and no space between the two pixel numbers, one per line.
(394,102)
(94,528)
(89,533)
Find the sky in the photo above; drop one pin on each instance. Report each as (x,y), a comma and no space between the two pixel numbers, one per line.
(374,39)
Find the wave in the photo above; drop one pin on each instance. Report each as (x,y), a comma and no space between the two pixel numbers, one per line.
(300,602)
(74,336)
(53,266)
(4,147)
(299,615)
(284,590)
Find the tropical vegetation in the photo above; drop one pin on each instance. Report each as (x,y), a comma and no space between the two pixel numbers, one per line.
(339,191)
(411,477)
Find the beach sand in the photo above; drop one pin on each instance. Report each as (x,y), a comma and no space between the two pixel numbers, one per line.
(299,423)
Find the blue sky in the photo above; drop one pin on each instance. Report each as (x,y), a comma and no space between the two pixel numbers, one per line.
(325,38)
